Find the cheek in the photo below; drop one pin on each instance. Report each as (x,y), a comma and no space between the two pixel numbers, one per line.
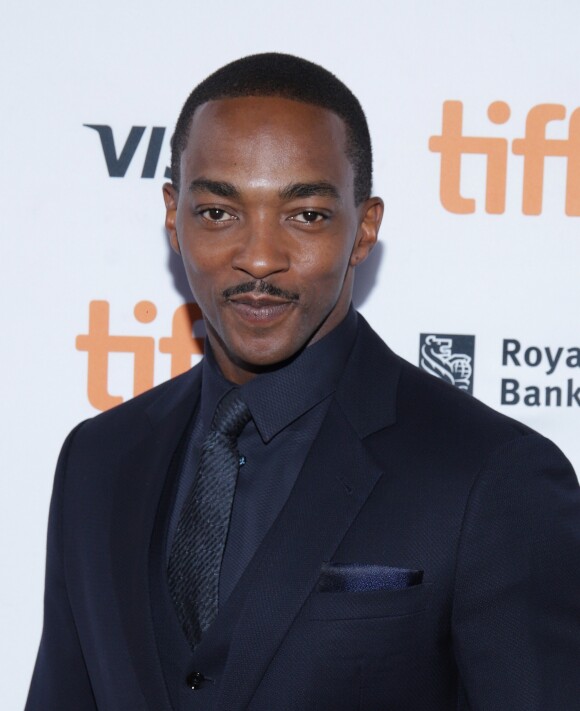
(201,278)
(326,267)
(202,262)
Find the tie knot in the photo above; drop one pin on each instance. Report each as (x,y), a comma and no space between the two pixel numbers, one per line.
(231,415)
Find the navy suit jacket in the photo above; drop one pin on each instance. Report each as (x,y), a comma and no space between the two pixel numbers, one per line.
(406,472)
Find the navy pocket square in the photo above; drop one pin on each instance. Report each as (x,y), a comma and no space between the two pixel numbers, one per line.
(345,577)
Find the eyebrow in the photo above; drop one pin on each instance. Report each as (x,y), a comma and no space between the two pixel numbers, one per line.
(216,187)
(304,190)
(292,191)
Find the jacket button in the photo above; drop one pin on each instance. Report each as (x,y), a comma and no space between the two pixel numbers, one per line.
(194,680)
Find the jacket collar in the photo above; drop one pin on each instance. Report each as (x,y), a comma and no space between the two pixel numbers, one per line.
(367,390)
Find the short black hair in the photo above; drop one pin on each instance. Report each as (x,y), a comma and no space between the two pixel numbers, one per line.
(290,77)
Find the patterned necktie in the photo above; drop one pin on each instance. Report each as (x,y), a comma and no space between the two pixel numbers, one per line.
(200,537)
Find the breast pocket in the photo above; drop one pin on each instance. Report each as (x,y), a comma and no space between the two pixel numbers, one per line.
(372,604)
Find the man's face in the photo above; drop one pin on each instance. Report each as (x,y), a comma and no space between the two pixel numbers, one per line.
(267,227)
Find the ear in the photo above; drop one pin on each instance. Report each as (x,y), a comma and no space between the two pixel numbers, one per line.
(170,196)
(371,212)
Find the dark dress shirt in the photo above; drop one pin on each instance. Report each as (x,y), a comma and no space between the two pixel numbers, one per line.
(288,406)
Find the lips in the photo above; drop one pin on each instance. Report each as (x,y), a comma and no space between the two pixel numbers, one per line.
(260,309)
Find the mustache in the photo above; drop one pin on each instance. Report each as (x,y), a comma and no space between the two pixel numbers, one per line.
(260,287)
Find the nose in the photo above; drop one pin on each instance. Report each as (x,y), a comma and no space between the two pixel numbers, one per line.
(263,249)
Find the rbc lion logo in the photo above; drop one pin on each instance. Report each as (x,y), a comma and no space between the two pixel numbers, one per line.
(449,358)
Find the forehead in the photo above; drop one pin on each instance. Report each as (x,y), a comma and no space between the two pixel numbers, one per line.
(266,135)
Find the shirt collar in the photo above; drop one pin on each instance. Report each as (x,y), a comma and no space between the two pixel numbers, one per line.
(278,398)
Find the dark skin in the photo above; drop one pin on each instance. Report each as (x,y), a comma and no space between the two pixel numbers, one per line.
(267,227)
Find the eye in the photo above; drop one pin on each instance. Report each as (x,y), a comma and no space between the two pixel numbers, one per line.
(309,216)
(216,214)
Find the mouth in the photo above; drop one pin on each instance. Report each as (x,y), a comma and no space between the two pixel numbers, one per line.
(260,308)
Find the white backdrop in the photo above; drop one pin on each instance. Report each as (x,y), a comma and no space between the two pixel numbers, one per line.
(73,235)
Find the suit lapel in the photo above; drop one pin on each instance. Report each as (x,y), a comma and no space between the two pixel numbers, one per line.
(331,488)
(336,480)
(142,475)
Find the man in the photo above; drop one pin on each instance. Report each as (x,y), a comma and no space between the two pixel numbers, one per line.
(304,520)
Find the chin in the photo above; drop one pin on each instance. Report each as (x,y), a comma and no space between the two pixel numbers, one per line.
(263,359)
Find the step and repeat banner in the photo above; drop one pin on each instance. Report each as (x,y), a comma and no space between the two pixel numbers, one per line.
(474,110)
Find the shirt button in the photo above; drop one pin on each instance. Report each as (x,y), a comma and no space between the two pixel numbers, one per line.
(195,679)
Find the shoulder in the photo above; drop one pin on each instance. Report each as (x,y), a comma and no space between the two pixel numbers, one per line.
(441,428)
(417,399)
(120,426)
(454,426)
(426,400)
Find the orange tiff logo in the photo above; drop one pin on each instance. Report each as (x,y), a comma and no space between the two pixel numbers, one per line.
(99,343)
(534,148)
